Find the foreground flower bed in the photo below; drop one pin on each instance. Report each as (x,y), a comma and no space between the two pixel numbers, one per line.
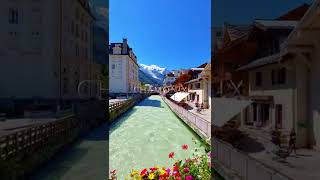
(197,167)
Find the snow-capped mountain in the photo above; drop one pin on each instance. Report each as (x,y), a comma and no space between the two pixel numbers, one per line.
(152,74)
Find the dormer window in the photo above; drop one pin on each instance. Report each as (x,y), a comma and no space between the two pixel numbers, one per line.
(116,50)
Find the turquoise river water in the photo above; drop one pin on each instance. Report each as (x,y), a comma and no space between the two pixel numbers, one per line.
(145,135)
(141,138)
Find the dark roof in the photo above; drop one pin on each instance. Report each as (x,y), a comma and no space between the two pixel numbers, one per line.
(121,45)
(237,31)
(202,65)
(296,13)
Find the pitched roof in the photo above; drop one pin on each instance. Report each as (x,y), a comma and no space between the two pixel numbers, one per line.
(261,62)
(202,65)
(296,13)
(275,24)
(193,80)
(237,31)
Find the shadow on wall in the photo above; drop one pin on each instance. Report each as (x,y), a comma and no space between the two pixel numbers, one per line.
(151,103)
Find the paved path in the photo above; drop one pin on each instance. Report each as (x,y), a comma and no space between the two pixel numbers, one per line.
(300,166)
(205,113)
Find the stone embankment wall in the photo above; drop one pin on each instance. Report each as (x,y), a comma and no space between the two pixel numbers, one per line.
(22,151)
(201,126)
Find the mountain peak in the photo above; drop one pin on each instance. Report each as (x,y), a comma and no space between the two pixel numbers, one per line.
(153,72)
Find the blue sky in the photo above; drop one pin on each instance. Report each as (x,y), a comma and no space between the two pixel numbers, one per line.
(244,11)
(169,33)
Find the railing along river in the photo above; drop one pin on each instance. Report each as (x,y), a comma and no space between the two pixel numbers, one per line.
(200,125)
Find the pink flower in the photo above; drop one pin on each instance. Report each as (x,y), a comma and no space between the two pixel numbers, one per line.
(189,177)
(171,155)
(186,170)
(184,147)
(209,154)
(168,171)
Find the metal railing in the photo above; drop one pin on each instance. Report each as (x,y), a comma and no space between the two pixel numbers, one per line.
(239,164)
(202,125)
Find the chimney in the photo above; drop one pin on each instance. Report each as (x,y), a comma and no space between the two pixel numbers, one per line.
(124,46)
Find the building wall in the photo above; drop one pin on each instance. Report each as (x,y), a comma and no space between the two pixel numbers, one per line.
(31,65)
(118,81)
(28,50)
(282,94)
(314,103)
(198,91)
(292,96)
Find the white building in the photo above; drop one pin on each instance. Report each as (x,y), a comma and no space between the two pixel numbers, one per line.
(169,79)
(285,86)
(45,49)
(123,69)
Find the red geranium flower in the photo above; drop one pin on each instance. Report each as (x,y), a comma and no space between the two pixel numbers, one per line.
(113,172)
(171,155)
(175,168)
(176,173)
(143,172)
(185,147)
(153,169)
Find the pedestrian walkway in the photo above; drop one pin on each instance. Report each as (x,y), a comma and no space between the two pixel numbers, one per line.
(300,166)
(204,113)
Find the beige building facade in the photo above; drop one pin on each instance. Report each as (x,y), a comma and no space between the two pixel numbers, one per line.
(123,69)
(46,49)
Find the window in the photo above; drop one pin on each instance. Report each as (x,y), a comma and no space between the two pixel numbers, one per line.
(278,116)
(77,30)
(198,85)
(113,66)
(72,27)
(273,73)
(258,78)
(13,16)
(77,50)
(190,86)
(282,76)
(65,85)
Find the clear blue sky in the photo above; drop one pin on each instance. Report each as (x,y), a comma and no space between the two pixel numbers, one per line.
(169,33)
(244,11)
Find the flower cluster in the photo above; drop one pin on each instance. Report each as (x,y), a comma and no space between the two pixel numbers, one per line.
(195,168)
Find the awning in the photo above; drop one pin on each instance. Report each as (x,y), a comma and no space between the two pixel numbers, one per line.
(179,96)
(224,109)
